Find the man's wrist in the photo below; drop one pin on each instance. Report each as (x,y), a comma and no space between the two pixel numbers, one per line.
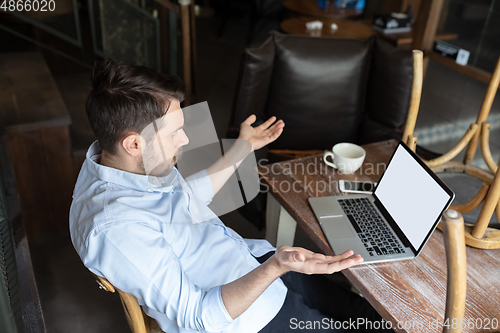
(273,267)
(251,144)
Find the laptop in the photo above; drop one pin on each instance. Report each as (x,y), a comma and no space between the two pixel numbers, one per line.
(393,223)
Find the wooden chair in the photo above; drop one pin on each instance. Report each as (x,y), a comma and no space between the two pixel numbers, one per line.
(454,241)
(138,321)
(479,234)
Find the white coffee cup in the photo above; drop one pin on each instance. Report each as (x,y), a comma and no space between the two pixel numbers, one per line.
(347,157)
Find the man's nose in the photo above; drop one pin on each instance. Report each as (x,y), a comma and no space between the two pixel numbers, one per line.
(185,139)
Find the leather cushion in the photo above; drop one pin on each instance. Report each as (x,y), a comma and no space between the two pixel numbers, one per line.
(317,88)
(389,84)
(256,72)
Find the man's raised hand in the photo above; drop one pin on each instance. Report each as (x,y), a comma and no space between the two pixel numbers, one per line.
(263,134)
(304,261)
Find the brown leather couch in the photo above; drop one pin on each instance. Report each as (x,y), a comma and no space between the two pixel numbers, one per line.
(326,90)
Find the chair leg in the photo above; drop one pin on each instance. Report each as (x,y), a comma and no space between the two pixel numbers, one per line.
(483,113)
(489,206)
(416,92)
(133,312)
(485,147)
(474,202)
(453,232)
(280,226)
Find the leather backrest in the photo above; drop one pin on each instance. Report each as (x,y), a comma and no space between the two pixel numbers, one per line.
(388,92)
(318,88)
(256,71)
(389,84)
(326,90)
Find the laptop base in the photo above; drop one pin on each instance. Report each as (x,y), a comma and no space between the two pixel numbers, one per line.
(341,233)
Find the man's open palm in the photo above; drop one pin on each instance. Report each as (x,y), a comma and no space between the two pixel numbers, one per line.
(304,261)
(263,134)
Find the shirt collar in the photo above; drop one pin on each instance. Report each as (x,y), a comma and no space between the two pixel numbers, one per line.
(134,181)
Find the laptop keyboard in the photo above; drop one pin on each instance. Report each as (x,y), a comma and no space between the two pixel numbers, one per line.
(376,236)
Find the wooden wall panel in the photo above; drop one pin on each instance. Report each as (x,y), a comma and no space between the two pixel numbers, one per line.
(44,175)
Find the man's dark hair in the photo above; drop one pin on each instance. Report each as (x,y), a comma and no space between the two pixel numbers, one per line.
(126,98)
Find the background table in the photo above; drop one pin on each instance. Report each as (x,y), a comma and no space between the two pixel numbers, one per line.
(404,39)
(346,28)
(410,292)
(310,8)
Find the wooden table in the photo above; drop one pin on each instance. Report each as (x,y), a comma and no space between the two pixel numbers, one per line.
(411,292)
(310,8)
(404,39)
(346,28)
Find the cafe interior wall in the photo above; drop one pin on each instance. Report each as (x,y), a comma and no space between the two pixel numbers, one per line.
(451,100)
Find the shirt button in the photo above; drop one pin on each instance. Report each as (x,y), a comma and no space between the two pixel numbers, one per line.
(149,190)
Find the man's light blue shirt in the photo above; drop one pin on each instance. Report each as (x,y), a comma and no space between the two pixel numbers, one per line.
(156,239)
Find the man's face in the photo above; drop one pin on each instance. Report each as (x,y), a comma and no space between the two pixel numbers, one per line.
(162,141)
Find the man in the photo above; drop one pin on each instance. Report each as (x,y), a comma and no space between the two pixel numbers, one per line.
(139,224)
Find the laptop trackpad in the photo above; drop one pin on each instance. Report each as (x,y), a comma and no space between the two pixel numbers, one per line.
(337,227)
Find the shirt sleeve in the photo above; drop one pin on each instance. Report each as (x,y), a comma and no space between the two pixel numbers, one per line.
(136,259)
(259,247)
(202,186)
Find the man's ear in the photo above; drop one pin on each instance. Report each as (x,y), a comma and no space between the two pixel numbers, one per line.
(131,143)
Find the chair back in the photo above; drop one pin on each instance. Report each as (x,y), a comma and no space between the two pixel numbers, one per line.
(138,321)
(350,90)
(454,241)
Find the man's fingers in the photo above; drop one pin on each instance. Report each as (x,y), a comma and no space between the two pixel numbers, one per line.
(319,256)
(274,135)
(350,262)
(339,257)
(268,135)
(276,129)
(308,262)
(337,266)
(277,125)
(328,267)
(250,120)
(323,268)
(345,254)
(354,256)
(267,123)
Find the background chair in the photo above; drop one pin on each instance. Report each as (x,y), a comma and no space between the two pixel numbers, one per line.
(338,89)
(454,241)
(138,321)
(484,231)
(326,90)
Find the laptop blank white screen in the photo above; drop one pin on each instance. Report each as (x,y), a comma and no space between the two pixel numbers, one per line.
(411,196)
